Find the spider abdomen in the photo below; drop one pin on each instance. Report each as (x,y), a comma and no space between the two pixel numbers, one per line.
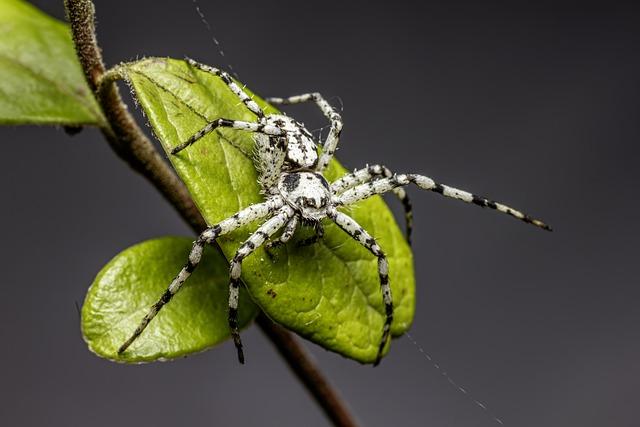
(300,151)
(306,192)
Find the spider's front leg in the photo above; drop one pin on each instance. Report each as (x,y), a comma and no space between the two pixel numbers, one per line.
(237,90)
(266,129)
(245,216)
(384,185)
(329,146)
(234,124)
(369,173)
(352,228)
(257,239)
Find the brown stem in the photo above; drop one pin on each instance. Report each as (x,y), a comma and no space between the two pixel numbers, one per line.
(122,133)
(129,142)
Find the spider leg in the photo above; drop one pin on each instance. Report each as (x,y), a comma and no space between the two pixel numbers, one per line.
(352,228)
(288,232)
(330,144)
(245,216)
(375,172)
(383,185)
(234,124)
(257,239)
(237,90)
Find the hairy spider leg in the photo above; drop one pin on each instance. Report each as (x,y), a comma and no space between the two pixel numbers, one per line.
(368,173)
(286,235)
(352,228)
(257,239)
(235,124)
(330,144)
(383,185)
(245,216)
(263,128)
(237,90)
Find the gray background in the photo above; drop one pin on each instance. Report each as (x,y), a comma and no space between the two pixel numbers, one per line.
(536,105)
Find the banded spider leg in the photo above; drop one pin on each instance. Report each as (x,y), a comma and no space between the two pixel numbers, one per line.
(208,236)
(259,127)
(383,185)
(372,172)
(257,239)
(352,228)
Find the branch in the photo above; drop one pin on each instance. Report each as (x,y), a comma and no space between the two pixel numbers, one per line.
(123,134)
(129,142)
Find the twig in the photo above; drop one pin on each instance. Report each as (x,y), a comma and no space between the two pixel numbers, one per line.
(129,142)
(123,134)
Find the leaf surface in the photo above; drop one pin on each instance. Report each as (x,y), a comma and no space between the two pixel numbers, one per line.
(328,292)
(133,280)
(41,81)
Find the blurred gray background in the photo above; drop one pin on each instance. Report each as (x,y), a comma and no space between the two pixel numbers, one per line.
(532,103)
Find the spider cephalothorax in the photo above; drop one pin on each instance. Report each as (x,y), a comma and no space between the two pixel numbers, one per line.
(296,192)
(308,193)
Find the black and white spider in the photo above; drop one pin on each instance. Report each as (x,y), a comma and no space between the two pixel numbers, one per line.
(296,192)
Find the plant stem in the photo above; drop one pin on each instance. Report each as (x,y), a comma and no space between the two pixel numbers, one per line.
(129,142)
(122,133)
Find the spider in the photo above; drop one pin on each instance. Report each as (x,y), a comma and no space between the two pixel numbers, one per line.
(290,169)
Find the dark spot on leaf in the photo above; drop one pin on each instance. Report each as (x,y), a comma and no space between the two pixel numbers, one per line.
(272,293)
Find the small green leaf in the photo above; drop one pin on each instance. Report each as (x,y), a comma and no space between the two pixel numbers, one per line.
(41,81)
(131,282)
(328,292)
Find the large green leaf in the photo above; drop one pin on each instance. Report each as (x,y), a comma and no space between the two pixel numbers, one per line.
(131,282)
(41,81)
(328,292)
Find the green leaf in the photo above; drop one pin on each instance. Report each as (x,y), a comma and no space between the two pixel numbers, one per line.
(131,282)
(41,81)
(328,292)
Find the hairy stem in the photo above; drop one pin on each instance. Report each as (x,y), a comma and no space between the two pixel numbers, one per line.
(129,142)
(122,133)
